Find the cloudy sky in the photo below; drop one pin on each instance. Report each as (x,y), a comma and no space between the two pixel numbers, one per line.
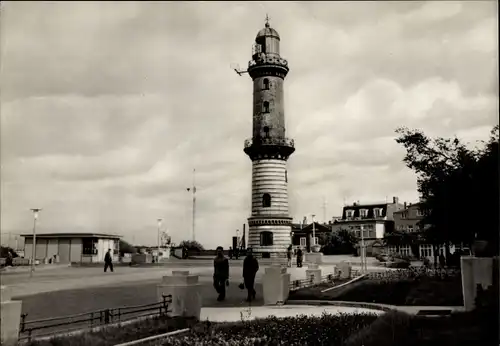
(106,108)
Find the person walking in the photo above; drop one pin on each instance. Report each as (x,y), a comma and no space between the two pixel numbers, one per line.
(250,269)
(299,258)
(108,261)
(230,253)
(289,253)
(221,274)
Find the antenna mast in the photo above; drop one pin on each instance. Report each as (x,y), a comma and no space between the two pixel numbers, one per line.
(324,209)
(193,189)
(194,204)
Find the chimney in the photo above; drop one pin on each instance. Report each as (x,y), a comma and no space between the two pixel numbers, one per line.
(305,220)
(395,200)
(404,205)
(329,222)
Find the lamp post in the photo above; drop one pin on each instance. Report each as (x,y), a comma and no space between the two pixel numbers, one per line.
(363,254)
(159,226)
(33,250)
(314,231)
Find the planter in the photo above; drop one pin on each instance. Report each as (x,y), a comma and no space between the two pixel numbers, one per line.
(315,248)
(479,248)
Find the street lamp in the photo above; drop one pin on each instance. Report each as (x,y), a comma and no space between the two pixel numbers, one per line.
(314,231)
(33,251)
(159,226)
(363,253)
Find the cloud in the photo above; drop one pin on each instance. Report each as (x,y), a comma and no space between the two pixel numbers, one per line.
(106,108)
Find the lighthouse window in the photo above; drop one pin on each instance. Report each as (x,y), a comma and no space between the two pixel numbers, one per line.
(266,107)
(266,84)
(266,238)
(266,200)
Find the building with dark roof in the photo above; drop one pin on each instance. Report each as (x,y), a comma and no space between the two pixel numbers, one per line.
(375,219)
(302,234)
(72,247)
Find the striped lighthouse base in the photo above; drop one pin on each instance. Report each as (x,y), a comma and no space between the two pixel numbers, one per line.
(269,240)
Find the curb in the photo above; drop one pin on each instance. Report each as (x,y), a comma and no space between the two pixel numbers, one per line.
(155,337)
(344,284)
(373,306)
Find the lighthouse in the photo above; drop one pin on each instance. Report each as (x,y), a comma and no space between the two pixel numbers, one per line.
(269,232)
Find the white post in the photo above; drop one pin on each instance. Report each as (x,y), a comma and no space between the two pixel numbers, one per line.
(159,226)
(33,250)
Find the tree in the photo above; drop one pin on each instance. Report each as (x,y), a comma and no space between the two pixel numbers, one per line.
(458,187)
(339,242)
(4,252)
(126,248)
(192,245)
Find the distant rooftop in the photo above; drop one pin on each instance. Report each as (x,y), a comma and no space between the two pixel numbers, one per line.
(72,235)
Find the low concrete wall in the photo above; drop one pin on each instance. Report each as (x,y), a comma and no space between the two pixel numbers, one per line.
(10,318)
(476,271)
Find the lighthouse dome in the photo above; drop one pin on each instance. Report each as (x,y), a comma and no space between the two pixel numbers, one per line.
(267,32)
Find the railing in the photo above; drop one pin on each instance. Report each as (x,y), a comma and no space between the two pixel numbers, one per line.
(268,59)
(309,282)
(89,320)
(270,141)
(414,273)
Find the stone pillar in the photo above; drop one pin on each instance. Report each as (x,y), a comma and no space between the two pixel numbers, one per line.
(313,271)
(314,257)
(475,270)
(185,291)
(10,311)
(276,285)
(344,269)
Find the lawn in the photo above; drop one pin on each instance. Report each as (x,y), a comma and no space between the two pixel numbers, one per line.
(118,334)
(422,290)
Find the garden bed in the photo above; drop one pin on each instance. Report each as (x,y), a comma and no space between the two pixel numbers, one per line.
(293,331)
(112,335)
(390,329)
(421,290)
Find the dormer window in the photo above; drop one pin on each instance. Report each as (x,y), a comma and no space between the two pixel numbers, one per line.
(363,212)
(377,212)
(349,214)
(420,212)
(266,107)
(266,84)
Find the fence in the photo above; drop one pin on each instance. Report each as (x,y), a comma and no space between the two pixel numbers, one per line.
(89,320)
(415,273)
(309,282)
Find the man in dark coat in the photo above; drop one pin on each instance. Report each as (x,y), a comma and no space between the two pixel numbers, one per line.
(299,258)
(108,261)
(221,274)
(250,269)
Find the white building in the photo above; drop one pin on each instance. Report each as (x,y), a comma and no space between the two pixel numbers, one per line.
(72,247)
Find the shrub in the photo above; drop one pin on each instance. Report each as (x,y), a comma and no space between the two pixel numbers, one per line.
(399,264)
(392,328)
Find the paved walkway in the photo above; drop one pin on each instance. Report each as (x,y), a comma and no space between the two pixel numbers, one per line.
(67,278)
